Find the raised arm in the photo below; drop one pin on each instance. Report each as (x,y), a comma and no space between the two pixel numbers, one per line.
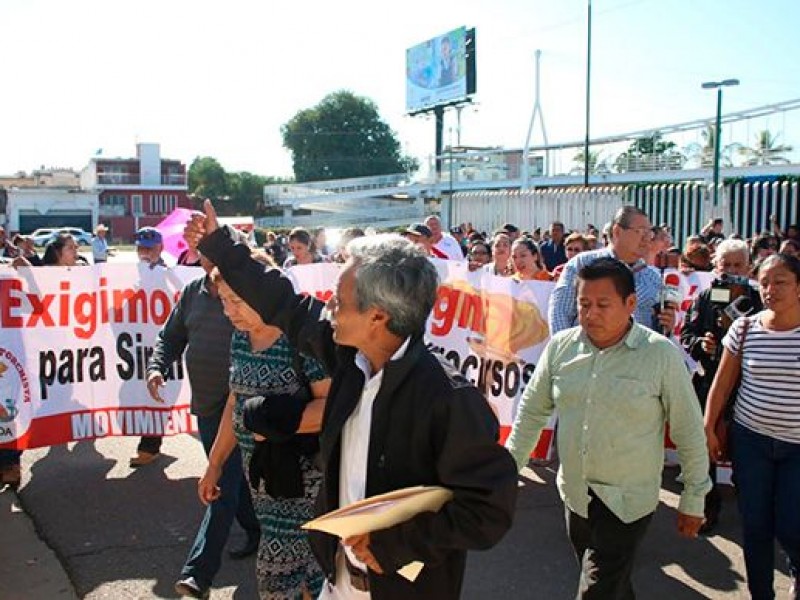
(268,291)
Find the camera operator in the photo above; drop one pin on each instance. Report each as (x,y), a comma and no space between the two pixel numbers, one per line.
(730,296)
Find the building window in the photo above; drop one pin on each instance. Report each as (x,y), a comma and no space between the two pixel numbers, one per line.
(113,200)
(163,203)
(136,204)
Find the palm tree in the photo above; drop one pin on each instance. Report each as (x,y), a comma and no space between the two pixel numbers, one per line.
(703,154)
(767,151)
(595,164)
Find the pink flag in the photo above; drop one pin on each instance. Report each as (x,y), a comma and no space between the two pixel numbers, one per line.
(171,229)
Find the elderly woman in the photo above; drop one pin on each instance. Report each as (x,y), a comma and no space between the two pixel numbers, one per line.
(763,353)
(574,245)
(283,478)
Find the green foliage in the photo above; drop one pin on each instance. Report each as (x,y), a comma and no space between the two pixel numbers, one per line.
(767,150)
(650,153)
(207,178)
(341,137)
(234,194)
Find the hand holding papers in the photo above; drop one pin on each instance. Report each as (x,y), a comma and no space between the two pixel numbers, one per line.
(381,512)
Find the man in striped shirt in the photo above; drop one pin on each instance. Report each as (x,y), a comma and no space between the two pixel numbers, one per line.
(631,236)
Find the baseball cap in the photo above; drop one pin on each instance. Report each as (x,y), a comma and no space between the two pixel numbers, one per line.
(148,237)
(419,229)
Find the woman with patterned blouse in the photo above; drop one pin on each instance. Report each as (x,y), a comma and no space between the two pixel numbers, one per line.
(264,364)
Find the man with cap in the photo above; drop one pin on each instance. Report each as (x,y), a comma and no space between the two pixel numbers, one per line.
(100,249)
(149,245)
(443,243)
(421,235)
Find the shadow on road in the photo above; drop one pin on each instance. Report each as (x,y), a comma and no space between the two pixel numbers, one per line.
(136,527)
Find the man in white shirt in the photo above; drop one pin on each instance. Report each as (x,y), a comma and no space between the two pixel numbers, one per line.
(397,416)
(443,242)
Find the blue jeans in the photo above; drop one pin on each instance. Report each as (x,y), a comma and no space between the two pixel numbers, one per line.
(205,556)
(768,486)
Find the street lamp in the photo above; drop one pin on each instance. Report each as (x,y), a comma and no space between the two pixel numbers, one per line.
(718,85)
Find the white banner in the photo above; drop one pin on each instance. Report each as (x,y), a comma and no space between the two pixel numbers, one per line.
(74,344)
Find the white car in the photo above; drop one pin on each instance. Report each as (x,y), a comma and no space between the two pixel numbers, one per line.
(84,238)
(42,235)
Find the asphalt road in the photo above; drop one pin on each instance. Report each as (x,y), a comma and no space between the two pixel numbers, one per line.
(122,533)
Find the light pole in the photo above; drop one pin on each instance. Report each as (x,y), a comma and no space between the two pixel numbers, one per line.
(588,90)
(718,85)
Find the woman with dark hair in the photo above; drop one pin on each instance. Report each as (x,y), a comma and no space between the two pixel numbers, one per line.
(302,247)
(527,261)
(284,479)
(61,251)
(479,254)
(501,255)
(762,353)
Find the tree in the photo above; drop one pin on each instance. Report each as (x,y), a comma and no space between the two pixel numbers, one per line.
(650,153)
(246,191)
(342,137)
(767,151)
(596,165)
(207,178)
(702,156)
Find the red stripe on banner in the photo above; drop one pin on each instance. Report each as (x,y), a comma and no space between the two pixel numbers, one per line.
(544,447)
(107,422)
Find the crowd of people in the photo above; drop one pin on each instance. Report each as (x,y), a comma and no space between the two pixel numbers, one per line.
(303,405)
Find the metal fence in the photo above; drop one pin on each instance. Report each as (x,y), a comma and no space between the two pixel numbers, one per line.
(745,206)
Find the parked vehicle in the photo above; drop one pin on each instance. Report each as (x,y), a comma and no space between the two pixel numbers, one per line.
(84,238)
(42,235)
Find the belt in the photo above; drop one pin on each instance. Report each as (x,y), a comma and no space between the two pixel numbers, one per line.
(358,579)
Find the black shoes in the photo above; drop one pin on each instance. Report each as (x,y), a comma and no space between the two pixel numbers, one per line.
(250,547)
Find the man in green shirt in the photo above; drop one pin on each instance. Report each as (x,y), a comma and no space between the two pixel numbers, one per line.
(615,384)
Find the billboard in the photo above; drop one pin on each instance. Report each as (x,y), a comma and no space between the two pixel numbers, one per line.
(440,70)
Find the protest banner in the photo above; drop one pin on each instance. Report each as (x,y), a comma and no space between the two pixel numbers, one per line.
(74,345)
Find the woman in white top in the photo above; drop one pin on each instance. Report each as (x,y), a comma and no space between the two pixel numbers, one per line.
(765,434)
(501,255)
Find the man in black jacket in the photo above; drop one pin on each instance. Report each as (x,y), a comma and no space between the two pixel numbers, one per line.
(198,330)
(396,415)
(706,322)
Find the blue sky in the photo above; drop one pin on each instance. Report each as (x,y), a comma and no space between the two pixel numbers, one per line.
(219,78)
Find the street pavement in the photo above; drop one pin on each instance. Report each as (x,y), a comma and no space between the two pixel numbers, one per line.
(120,533)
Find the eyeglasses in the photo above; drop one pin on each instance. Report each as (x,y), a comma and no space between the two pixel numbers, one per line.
(645,232)
(478,253)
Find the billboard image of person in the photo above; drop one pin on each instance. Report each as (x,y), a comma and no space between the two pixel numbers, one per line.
(436,71)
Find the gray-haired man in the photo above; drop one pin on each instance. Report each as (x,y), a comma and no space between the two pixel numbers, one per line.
(396,416)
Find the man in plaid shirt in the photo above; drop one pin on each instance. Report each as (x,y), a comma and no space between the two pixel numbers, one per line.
(631,236)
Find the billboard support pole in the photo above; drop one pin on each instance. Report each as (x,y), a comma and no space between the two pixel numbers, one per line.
(438,112)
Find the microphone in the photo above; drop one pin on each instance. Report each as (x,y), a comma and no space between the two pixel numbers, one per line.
(670,293)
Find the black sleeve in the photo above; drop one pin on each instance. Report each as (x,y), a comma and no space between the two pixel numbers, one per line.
(173,337)
(694,329)
(272,295)
(483,478)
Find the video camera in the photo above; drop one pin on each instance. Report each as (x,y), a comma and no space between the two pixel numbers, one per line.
(731,295)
